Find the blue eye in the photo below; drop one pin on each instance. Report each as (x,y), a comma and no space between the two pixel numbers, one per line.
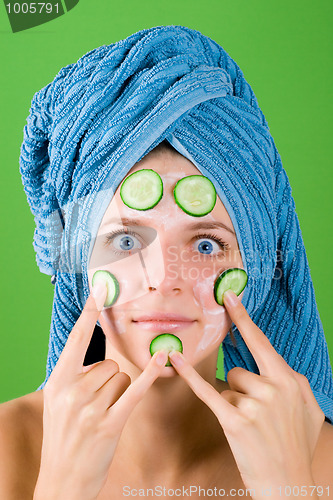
(206,246)
(211,245)
(126,242)
(123,242)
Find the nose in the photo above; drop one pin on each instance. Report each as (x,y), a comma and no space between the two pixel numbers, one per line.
(165,288)
(172,279)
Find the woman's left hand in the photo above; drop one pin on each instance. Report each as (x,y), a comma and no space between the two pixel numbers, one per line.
(272,421)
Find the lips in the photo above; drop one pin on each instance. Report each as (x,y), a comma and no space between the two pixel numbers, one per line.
(163,316)
(163,322)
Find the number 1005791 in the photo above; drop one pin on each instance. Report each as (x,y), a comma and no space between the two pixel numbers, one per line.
(32,8)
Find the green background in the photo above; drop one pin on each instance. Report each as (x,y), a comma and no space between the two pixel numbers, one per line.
(285,51)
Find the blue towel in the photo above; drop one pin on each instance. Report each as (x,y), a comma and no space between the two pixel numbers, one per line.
(104,113)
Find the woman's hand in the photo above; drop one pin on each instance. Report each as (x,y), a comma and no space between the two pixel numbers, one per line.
(85,410)
(272,421)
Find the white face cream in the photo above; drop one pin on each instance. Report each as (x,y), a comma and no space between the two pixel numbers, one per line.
(211,335)
(216,317)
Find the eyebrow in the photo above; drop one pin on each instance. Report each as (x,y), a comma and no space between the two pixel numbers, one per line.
(199,225)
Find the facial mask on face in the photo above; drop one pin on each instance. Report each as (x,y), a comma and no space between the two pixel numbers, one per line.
(211,334)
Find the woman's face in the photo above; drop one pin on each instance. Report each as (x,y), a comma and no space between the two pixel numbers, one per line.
(171,268)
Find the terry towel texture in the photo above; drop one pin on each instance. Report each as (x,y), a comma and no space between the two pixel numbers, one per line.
(102,114)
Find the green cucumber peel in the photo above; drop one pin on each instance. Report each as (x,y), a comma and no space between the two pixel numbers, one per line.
(142,190)
(166,342)
(195,195)
(234,279)
(111,283)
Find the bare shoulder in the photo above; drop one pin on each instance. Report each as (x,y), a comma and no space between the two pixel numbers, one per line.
(22,414)
(21,433)
(322,465)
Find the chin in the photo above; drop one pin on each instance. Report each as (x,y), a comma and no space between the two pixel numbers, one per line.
(168,372)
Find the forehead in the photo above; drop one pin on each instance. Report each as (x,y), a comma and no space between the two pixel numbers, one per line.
(171,167)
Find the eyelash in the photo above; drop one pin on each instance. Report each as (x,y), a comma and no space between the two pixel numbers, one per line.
(223,244)
(113,234)
(225,247)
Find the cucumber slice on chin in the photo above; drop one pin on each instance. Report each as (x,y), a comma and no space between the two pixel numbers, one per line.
(234,279)
(166,342)
(111,283)
(142,190)
(195,195)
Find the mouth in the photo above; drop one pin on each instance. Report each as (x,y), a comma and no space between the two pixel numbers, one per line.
(164,322)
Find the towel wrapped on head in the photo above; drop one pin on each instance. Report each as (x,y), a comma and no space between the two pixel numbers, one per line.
(104,113)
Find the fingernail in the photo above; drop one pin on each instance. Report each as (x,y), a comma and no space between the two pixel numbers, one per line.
(99,292)
(176,358)
(161,358)
(230,298)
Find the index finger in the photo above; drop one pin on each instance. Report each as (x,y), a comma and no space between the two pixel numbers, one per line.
(266,357)
(203,389)
(135,392)
(72,357)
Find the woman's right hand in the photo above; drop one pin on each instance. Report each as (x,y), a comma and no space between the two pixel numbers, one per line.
(85,410)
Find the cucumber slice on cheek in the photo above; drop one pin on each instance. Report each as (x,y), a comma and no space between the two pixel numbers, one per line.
(111,283)
(142,190)
(234,279)
(166,342)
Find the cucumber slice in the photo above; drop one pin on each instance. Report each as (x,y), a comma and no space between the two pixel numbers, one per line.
(111,283)
(234,279)
(195,194)
(167,342)
(142,190)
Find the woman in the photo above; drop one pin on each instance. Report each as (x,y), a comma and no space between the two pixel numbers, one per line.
(92,432)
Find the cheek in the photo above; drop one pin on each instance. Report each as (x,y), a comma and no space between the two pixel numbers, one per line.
(215,319)
(124,339)
(113,321)
(135,273)
(131,276)
(215,329)
(118,333)
(203,291)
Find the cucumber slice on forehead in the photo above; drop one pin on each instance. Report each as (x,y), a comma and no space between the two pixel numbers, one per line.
(234,279)
(166,342)
(111,283)
(142,190)
(195,194)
